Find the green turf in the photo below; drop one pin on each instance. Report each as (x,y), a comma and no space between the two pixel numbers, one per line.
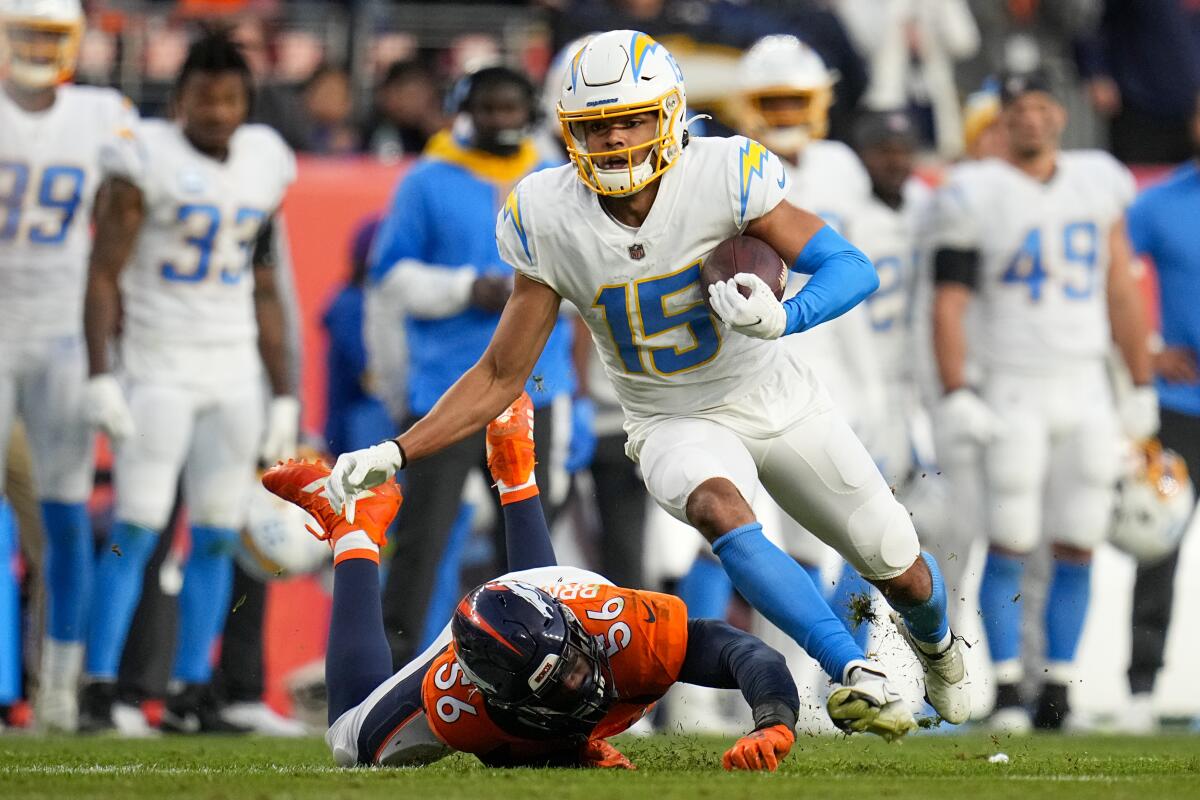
(670,767)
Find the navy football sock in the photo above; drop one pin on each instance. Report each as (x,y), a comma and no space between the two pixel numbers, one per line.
(69,563)
(357,658)
(783,592)
(203,601)
(527,536)
(117,589)
(705,590)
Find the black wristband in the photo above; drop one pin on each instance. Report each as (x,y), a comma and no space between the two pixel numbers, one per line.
(403,455)
(774,712)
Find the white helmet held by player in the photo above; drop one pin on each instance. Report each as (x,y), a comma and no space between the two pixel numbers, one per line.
(276,543)
(785,94)
(616,74)
(39,40)
(1154,504)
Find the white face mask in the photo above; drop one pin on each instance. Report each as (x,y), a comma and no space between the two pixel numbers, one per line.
(33,75)
(616,181)
(786,142)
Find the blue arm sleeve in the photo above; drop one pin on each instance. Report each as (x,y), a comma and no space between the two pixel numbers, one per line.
(723,657)
(842,277)
(527,536)
(404,231)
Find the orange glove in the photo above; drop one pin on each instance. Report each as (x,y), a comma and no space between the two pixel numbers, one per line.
(760,750)
(602,755)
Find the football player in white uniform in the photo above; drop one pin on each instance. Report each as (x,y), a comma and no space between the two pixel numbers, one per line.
(713,405)
(1038,241)
(50,145)
(200,318)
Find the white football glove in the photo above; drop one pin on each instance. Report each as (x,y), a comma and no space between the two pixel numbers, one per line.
(1138,410)
(965,417)
(283,430)
(107,408)
(760,315)
(358,471)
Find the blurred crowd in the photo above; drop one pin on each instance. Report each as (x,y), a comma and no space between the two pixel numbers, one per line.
(424,284)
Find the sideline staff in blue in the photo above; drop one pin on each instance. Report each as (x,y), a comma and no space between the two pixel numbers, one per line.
(1162,226)
(435,261)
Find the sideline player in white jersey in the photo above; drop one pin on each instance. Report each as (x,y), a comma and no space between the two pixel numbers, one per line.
(51,136)
(1038,240)
(712,404)
(200,319)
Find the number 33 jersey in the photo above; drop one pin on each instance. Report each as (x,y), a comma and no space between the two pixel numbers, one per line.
(189,280)
(49,173)
(645,634)
(639,290)
(1041,284)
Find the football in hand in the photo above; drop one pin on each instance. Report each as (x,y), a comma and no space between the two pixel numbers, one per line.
(744,254)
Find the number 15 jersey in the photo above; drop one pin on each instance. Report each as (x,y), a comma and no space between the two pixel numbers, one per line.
(189,279)
(1043,252)
(639,290)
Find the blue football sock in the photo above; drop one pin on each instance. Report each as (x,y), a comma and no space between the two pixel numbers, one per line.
(1066,609)
(849,586)
(10,609)
(928,621)
(69,563)
(1000,606)
(357,658)
(705,590)
(782,591)
(527,536)
(203,601)
(117,588)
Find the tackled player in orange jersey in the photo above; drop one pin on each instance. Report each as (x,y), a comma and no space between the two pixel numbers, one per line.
(537,667)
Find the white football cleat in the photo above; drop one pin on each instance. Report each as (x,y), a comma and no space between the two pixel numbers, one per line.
(1137,717)
(868,704)
(946,686)
(56,710)
(261,719)
(130,723)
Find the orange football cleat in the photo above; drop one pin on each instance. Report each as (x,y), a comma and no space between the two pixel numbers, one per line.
(303,484)
(510,451)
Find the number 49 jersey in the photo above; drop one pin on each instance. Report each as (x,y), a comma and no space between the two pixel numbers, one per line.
(645,634)
(49,172)
(1043,254)
(189,280)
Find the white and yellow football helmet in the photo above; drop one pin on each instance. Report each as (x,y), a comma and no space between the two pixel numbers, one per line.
(783,67)
(39,40)
(276,542)
(1154,503)
(612,75)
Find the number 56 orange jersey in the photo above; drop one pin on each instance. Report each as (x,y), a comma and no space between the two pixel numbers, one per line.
(645,636)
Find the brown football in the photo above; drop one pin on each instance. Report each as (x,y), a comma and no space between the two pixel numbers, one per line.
(744,254)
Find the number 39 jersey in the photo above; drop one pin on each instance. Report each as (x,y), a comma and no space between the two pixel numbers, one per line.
(49,173)
(645,634)
(189,280)
(1043,254)
(639,290)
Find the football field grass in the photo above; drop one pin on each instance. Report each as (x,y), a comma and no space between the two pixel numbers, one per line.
(669,767)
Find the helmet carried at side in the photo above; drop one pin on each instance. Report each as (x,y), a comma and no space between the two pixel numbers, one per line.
(1154,503)
(531,657)
(39,40)
(617,74)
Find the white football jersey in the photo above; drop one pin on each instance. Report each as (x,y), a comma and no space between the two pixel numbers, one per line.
(49,173)
(830,181)
(890,238)
(1043,254)
(189,281)
(639,290)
